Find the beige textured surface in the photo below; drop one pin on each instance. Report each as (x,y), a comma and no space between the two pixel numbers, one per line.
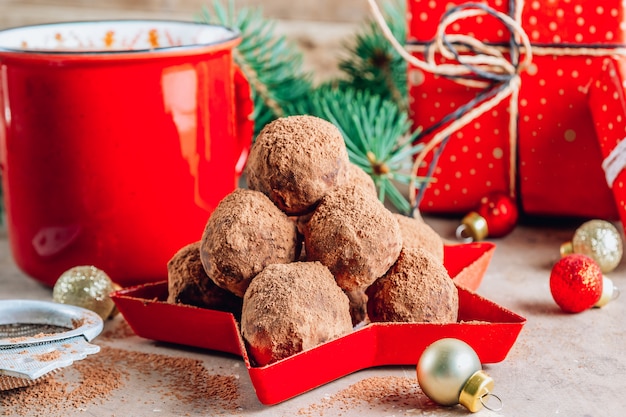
(561,365)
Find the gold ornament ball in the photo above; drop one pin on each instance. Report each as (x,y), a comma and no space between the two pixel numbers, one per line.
(87,287)
(599,240)
(449,372)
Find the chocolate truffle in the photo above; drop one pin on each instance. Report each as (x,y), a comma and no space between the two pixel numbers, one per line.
(189,284)
(417,234)
(358,305)
(354,235)
(357,176)
(416,289)
(245,233)
(295,160)
(289,308)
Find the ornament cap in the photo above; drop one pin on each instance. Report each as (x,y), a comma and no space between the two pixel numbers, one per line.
(473,228)
(567,248)
(609,292)
(477,387)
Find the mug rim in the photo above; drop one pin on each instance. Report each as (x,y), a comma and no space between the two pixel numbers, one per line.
(235,36)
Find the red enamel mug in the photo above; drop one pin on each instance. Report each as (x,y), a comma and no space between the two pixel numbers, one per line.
(117,140)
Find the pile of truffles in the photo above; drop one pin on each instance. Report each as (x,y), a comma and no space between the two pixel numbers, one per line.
(307,251)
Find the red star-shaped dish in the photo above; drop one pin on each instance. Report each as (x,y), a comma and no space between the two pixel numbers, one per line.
(490,329)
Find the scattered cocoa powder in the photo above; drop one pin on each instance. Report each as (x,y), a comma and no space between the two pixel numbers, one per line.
(26,338)
(26,332)
(20,332)
(48,356)
(76,323)
(18,339)
(400,394)
(85,383)
(121,330)
(97,379)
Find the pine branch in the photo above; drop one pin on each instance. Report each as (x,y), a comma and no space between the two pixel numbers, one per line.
(271,64)
(368,105)
(377,134)
(371,62)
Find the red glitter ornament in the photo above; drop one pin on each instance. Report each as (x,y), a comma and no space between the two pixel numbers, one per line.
(576,283)
(496,216)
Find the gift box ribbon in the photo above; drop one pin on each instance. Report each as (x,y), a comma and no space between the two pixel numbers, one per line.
(487,68)
(615,162)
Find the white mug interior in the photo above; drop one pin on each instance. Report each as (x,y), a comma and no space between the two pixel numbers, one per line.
(112,36)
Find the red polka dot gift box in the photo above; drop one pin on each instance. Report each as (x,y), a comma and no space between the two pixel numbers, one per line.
(607,99)
(500,89)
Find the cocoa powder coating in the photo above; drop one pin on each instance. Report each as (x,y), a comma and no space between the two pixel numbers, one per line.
(189,284)
(296,160)
(357,176)
(354,235)
(417,234)
(245,233)
(358,305)
(289,308)
(416,289)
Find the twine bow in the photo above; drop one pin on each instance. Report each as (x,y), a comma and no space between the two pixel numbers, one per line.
(486,68)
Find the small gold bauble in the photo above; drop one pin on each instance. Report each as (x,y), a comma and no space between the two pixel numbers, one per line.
(473,228)
(87,287)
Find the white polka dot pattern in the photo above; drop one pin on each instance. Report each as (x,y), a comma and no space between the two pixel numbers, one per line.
(545,21)
(558,161)
(607,101)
